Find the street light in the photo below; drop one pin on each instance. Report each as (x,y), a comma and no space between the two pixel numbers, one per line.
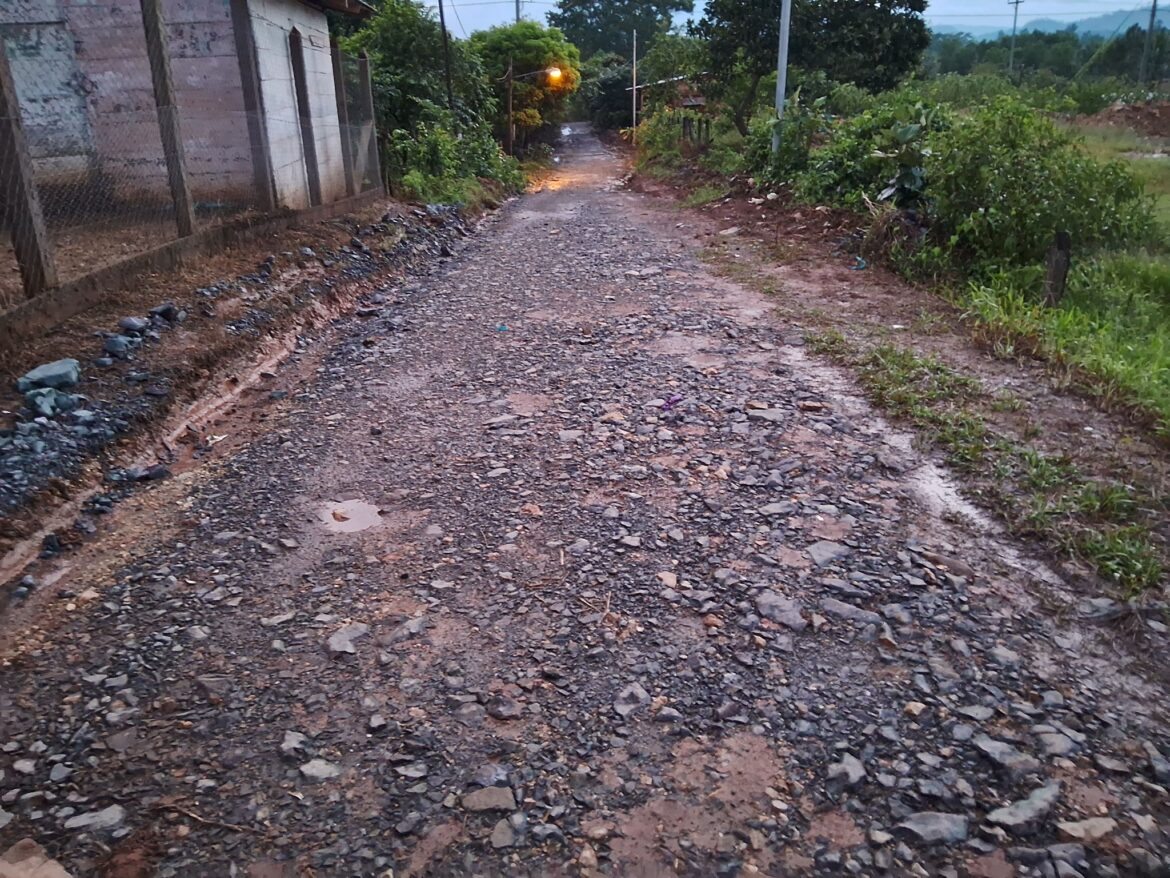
(554,74)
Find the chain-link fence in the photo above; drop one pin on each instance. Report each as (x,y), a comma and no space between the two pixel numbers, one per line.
(128,123)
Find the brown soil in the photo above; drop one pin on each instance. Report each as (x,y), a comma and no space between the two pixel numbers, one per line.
(1151,119)
(208,368)
(805,259)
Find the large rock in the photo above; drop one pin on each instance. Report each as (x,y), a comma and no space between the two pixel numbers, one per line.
(1087,830)
(341,640)
(107,818)
(27,859)
(490,799)
(826,552)
(842,610)
(782,610)
(934,827)
(1006,756)
(633,697)
(1022,816)
(320,769)
(58,375)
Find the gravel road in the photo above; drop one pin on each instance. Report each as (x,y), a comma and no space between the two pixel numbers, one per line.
(568,559)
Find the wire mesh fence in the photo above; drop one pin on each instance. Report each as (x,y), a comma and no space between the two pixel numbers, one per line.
(115,138)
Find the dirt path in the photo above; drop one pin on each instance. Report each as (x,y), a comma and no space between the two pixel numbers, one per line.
(569,561)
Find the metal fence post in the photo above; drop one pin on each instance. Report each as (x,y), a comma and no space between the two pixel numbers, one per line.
(168,115)
(367,99)
(22,203)
(342,118)
(253,105)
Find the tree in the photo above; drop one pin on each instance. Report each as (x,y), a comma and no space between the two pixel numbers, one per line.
(538,99)
(405,45)
(871,43)
(607,25)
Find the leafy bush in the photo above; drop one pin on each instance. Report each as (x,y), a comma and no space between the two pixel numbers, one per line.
(866,155)
(800,125)
(430,164)
(1004,178)
(660,138)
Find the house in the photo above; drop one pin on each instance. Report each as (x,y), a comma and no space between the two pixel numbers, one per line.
(260,115)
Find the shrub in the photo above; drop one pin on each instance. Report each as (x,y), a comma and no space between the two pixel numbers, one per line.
(865,156)
(799,127)
(1004,178)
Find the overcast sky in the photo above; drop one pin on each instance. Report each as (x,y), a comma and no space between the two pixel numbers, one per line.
(465,16)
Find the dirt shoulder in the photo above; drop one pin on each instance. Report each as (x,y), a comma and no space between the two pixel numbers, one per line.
(1051,462)
(161,357)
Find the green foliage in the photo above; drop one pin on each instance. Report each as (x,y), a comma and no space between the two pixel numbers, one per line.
(539,100)
(1003,178)
(607,25)
(870,44)
(866,155)
(430,164)
(405,45)
(671,55)
(660,140)
(800,125)
(609,106)
(1113,327)
(1064,54)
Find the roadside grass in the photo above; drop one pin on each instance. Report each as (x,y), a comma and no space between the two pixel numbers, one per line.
(1112,331)
(1103,524)
(1147,157)
(705,194)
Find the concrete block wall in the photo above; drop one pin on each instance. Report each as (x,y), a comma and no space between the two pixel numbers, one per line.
(40,52)
(111,55)
(273,21)
(206,74)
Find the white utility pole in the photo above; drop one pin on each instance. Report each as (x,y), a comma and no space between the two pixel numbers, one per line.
(1015,21)
(635,89)
(781,70)
(1147,52)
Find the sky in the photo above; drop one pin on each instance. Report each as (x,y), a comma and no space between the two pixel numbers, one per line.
(465,16)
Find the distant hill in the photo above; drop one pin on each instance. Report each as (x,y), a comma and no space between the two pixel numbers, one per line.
(1103,25)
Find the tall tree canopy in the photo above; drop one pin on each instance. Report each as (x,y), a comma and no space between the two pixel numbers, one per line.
(405,44)
(607,25)
(538,99)
(872,43)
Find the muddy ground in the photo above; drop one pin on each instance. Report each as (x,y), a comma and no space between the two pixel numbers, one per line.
(570,559)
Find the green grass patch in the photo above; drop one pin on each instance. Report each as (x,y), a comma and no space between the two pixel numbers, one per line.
(705,194)
(1038,494)
(1112,329)
(1148,159)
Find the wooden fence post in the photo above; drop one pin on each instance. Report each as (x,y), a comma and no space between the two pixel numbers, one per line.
(21,202)
(168,115)
(1056,269)
(253,105)
(367,99)
(342,118)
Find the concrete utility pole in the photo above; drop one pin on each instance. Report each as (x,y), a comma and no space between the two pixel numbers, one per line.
(1015,21)
(517,11)
(635,88)
(781,71)
(1149,47)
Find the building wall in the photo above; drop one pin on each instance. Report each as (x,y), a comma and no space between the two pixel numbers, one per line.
(273,21)
(206,74)
(49,87)
(87,99)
